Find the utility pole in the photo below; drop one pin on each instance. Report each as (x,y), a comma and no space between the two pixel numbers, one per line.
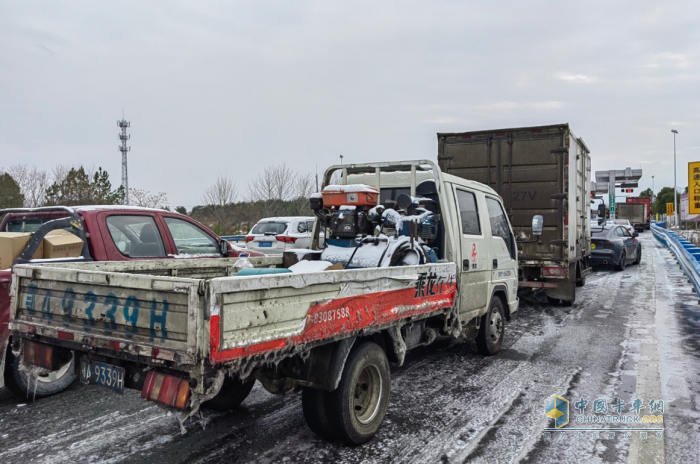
(341,159)
(675,195)
(123,124)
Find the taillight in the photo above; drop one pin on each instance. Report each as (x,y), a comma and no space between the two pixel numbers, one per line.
(249,238)
(555,271)
(282,238)
(166,389)
(41,355)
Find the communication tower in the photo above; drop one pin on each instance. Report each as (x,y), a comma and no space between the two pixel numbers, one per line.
(123,124)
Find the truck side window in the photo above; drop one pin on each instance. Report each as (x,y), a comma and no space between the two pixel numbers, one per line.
(499,224)
(468,213)
(136,236)
(190,239)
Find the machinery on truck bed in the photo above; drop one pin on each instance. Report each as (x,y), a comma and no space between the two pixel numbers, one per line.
(537,170)
(439,261)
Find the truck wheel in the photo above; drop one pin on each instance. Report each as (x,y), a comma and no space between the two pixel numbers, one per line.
(623,262)
(314,404)
(27,386)
(359,404)
(490,337)
(232,393)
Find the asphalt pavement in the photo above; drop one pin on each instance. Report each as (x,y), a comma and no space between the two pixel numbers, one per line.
(630,335)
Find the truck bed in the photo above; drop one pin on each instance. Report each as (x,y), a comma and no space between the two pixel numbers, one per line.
(196,312)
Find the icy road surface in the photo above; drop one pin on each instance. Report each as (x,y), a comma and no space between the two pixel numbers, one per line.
(630,334)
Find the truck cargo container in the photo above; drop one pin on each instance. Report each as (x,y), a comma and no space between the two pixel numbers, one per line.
(644,201)
(537,170)
(636,214)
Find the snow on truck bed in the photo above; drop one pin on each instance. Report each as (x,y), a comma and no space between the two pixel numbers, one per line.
(353,188)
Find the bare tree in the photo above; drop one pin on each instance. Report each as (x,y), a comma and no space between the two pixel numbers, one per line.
(271,188)
(60,172)
(147,199)
(274,183)
(32,182)
(303,186)
(219,198)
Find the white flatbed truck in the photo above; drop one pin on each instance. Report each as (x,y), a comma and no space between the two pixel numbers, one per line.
(189,331)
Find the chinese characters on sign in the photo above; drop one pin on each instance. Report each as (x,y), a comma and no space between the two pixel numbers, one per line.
(694,187)
(605,418)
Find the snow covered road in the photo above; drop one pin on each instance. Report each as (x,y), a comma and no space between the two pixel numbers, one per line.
(631,334)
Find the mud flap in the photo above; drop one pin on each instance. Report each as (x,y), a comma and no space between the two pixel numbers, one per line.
(565,291)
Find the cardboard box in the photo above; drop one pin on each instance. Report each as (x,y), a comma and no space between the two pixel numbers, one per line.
(12,244)
(62,244)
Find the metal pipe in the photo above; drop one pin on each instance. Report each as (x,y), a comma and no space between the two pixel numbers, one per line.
(675,195)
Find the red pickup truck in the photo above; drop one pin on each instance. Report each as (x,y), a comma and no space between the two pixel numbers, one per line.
(109,233)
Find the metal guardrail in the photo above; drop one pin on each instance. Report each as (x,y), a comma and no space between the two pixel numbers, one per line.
(234,238)
(687,254)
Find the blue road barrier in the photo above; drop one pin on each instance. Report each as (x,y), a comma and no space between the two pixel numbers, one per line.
(234,238)
(687,256)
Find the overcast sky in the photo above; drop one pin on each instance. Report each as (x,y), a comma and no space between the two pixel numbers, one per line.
(229,87)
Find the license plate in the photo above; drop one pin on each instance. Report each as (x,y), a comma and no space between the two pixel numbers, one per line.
(265,244)
(102,374)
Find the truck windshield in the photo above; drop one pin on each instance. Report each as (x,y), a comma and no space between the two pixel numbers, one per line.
(499,224)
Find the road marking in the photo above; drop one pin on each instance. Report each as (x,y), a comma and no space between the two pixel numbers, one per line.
(650,450)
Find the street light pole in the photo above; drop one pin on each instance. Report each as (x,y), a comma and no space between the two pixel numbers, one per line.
(652,190)
(675,195)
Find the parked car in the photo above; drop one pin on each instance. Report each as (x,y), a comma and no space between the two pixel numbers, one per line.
(614,245)
(622,222)
(274,235)
(109,233)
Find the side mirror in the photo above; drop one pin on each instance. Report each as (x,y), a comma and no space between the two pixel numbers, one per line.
(636,234)
(223,248)
(601,210)
(537,224)
(601,220)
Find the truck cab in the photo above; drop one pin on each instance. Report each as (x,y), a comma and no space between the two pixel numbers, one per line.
(473,230)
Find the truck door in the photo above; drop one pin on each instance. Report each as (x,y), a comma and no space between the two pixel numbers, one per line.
(503,257)
(475,275)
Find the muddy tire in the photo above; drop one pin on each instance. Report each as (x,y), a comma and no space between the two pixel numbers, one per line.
(358,406)
(623,262)
(314,404)
(233,392)
(490,336)
(25,386)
